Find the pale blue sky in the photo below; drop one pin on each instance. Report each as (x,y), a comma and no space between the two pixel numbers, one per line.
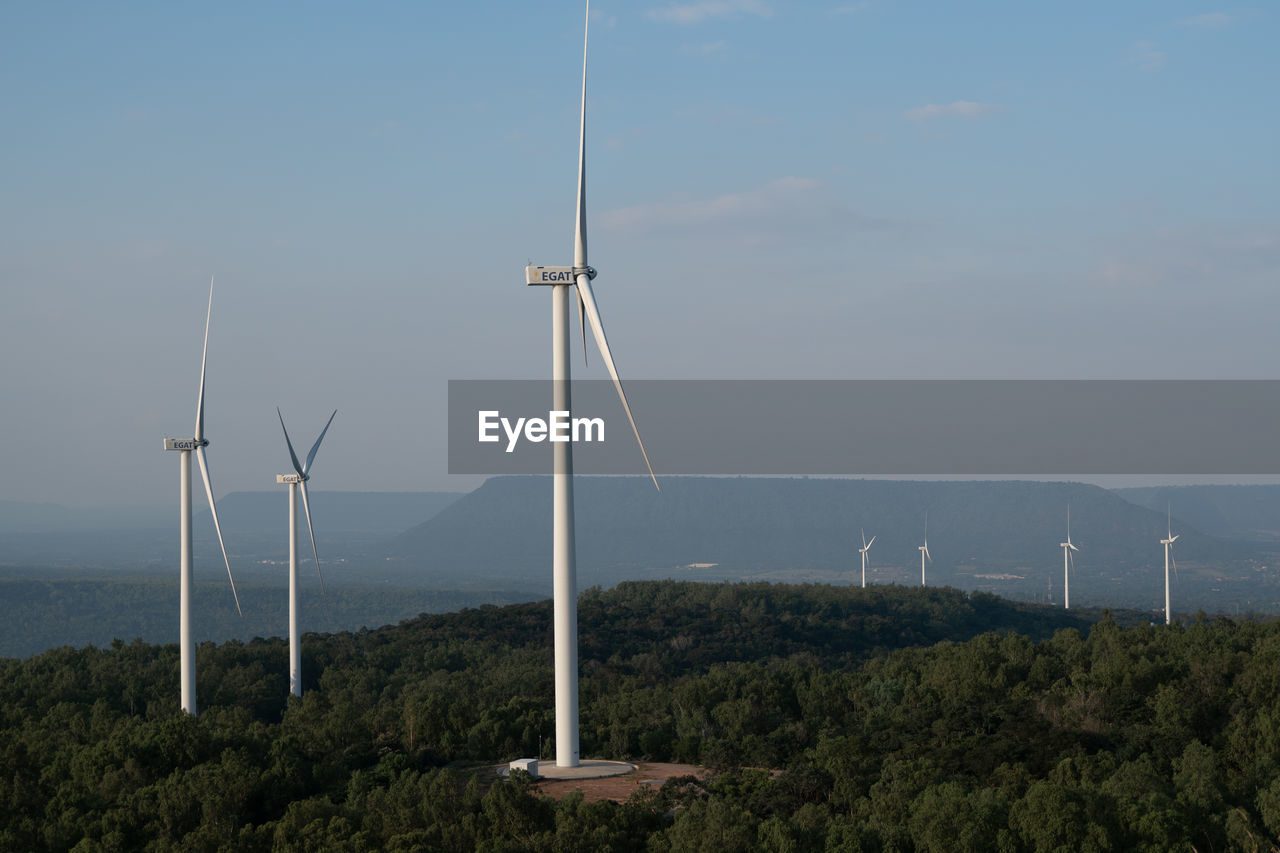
(814,190)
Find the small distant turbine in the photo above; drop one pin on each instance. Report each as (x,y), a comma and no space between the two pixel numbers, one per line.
(1167,542)
(1068,561)
(924,549)
(186,640)
(297,480)
(866,546)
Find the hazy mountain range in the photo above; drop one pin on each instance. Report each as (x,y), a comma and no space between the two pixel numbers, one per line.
(1001,536)
(1244,513)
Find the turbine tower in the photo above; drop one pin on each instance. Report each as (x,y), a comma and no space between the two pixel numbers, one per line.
(185,446)
(1167,542)
(866,546)
(299,479)
(564,568)
(924,549)
(1067,561)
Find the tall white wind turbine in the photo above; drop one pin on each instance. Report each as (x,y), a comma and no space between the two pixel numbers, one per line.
(564,567)
(924,549)
(1068,561)
(866,546)
(186,640)
(302,473)
(1167,542)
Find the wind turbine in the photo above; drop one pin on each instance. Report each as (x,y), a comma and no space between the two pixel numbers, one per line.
(1067,561)
(296,480)
(564,568)
(186,640)
(1167,542)
(866,546)
(924,549)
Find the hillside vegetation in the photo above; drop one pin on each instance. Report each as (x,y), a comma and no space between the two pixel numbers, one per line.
(899,719)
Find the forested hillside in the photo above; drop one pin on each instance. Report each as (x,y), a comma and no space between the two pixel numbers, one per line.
(899,719)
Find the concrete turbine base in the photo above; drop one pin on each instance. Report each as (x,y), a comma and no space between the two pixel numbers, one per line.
(591,769)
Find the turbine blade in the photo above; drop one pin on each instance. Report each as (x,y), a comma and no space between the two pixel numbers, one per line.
(580,228)
(582,326)
(312,455)
(306,506)
(1174,538)
(213,510)
(297,466)
(204,356)
(926,552)
(864,540)
(593,314)
(872,542)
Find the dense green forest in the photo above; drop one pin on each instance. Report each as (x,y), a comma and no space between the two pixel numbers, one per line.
(897,719)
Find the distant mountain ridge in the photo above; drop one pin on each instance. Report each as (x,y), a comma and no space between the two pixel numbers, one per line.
(809,529)
(374,513)
(253,523)
(1242,513)
(29,517)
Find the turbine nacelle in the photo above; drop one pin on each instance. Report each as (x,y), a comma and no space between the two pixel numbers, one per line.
(185,443)
(556,275)
(288,479)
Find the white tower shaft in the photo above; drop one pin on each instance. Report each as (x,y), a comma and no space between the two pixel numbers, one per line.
(295,642)
(563,559)
(186,640)
(864,569)
(1168,610)
(922,583)
(1066,578)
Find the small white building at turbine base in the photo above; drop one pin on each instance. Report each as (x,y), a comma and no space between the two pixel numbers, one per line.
(528,765)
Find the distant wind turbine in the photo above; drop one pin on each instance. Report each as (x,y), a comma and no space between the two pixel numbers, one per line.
(1167,542)
(924,549)
(866,546)
(186,640)
(299,480)
(1068,561)
(564,568)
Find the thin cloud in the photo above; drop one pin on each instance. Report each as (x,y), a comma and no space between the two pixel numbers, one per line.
(788,207)
(1146,56)
(715,48)
(1209,20)
(960,109)
(702,10)
(1243,258)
